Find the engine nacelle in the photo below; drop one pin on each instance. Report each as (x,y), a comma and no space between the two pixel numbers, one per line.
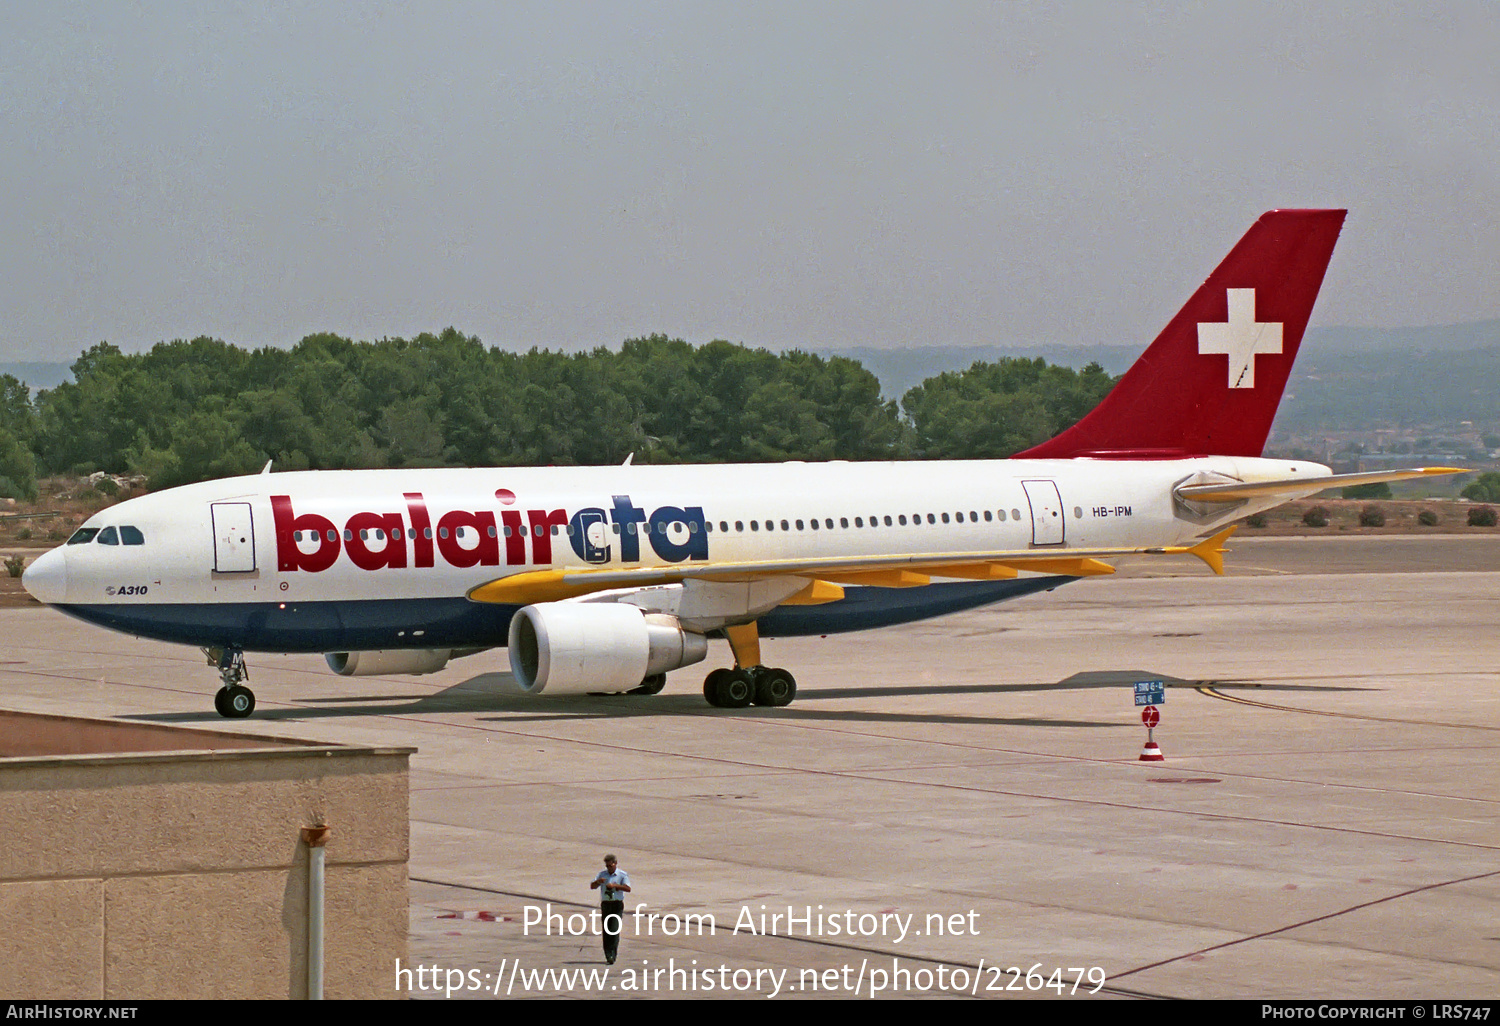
(407,660)
(569,648)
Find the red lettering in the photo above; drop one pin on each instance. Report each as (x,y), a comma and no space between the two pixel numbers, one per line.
(392,554)
(515,537)
(289,556)
(541,533)
(421,545)
(486,553)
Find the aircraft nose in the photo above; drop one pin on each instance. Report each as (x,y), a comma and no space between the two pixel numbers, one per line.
(47,578)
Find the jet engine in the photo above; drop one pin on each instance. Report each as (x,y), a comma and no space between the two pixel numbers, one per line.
(409,660)
(569,648)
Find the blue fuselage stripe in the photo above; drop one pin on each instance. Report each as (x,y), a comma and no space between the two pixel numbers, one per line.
(369,624)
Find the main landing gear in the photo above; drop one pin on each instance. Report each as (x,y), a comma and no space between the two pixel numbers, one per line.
(233,700)
(749,682)
(758,685)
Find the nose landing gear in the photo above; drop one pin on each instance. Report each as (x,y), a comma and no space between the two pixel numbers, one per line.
(233,700)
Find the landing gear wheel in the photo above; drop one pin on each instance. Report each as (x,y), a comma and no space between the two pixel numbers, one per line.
(235,702)
(712,686)
(774,687)
(652,685)
(737,689)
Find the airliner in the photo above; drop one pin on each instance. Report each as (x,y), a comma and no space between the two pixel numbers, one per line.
(604,579)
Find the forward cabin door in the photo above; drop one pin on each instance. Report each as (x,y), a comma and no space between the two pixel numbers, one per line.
(1046,512)
(234,538)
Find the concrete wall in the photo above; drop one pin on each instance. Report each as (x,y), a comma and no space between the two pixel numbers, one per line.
(183,874)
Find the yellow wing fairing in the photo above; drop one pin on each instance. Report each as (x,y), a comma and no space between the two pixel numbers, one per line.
(816,593)
(1210,550)
(827,575)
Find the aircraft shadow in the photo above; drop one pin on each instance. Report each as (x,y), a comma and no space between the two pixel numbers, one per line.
(494,694)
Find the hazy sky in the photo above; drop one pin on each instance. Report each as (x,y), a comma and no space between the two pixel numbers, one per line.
(824,175)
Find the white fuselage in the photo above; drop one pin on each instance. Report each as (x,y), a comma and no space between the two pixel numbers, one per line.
(271,545)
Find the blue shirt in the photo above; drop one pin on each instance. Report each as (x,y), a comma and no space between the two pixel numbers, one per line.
(608,882)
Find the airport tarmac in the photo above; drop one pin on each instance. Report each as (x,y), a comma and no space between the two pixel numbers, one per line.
(1326,823)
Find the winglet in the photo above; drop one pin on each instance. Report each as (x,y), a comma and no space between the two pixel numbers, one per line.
(1210,550)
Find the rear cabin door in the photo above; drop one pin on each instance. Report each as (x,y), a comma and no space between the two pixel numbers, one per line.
(234,538)
(1046,512)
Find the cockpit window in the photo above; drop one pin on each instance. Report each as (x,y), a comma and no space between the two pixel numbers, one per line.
(123,535)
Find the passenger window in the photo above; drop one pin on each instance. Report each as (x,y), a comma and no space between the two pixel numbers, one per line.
(109,536)
(83,535)
(132,536)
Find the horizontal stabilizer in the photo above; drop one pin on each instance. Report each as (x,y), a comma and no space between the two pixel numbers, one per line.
(1234,491)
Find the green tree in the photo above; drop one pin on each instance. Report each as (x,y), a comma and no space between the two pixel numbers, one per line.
(993,410)
(17,468)
(1486,489)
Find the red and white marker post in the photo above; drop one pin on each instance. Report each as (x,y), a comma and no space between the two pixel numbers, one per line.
(1151,716)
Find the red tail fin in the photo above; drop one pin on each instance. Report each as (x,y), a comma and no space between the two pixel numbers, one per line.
(1211,382)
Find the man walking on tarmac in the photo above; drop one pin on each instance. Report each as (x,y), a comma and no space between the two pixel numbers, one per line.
(616,884)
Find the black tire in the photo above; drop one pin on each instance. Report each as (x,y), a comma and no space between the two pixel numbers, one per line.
(221,702)
(652,685)
(737,689)
(239,702)
(775,687)
(712,687)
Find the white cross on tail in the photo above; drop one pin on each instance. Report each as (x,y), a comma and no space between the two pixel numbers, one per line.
(1240,338)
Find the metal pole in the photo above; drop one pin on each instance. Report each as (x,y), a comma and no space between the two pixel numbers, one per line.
(315,838)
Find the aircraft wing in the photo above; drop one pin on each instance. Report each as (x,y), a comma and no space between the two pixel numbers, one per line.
(1233,491)
(827,573)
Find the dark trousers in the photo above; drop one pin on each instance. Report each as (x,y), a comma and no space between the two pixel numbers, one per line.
(613,914)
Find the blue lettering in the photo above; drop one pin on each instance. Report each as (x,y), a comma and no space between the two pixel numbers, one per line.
(579,535)
(696,545)
(626,517)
